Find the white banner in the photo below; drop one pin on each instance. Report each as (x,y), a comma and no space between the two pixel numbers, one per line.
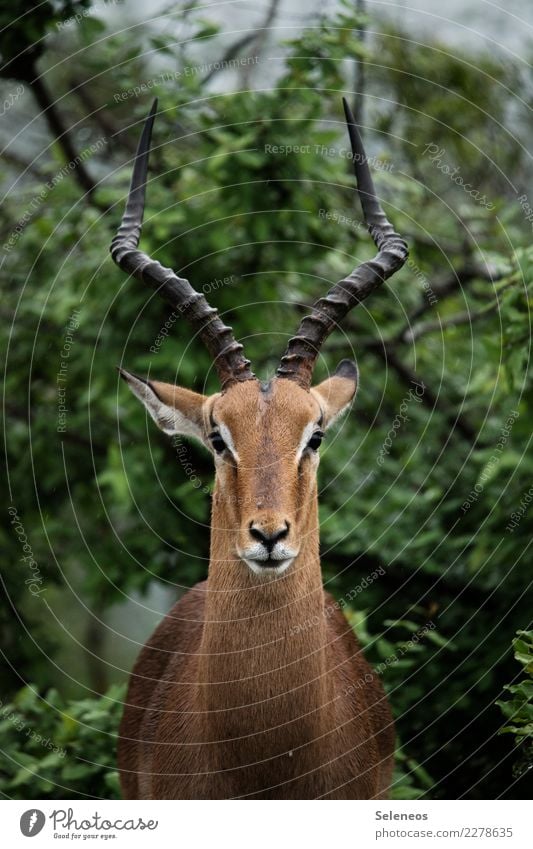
(267,825)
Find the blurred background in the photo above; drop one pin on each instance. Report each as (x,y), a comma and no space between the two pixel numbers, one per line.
(425,488)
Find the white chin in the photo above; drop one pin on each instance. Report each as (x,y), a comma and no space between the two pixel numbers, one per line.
(269,571)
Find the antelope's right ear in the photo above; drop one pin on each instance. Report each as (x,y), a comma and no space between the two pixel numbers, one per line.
(173,409)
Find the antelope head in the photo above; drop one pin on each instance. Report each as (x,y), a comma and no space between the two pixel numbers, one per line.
(264,436)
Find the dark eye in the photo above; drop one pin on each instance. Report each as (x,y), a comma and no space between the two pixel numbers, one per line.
(217,442)
(316,440)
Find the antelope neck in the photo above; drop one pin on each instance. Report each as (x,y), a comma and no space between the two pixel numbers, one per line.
(263,641)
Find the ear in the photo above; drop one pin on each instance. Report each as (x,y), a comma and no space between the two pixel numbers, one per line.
(337,392)
(173,409)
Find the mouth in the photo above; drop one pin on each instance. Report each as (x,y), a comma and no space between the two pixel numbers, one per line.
(268,567)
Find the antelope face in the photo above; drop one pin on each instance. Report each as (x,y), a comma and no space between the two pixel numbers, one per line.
(265,440)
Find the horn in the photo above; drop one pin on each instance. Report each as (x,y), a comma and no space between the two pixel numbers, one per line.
(302,350)
(227,353)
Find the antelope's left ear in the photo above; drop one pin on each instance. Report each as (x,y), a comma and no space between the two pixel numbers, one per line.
(336,393)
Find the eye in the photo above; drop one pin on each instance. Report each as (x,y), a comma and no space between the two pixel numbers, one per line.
(316,440)
(217,442)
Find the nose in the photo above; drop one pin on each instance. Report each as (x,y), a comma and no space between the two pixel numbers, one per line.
(268,538)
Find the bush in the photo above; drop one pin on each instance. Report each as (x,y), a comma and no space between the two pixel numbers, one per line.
(518,710)
(54,749)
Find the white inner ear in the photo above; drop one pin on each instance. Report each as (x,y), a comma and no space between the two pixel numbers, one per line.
(169,419)
(329,416)
(331,421)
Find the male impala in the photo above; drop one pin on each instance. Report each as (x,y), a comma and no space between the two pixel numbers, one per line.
(234,695)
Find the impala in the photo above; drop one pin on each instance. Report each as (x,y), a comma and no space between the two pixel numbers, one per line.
(234,695)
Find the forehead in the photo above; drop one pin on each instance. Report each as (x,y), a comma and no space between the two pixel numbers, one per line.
(279,404)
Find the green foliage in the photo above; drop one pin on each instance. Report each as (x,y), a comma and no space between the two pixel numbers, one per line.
(410,780)
(518,710)
(106,502)
(53,748)
(399,656)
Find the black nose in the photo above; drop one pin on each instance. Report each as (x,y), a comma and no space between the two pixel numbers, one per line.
(269,540)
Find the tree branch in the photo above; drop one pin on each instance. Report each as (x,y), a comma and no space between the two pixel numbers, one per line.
(360,76)
(234,49)
(410,334)
(386,352)
(21,164)
(99,114)
(426,327)
(437,243)
(60,132)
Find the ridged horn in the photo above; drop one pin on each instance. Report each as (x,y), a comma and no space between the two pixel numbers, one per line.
(302,351)
(227,353)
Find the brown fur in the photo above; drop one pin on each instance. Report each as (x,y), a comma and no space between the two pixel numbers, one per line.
(256,687)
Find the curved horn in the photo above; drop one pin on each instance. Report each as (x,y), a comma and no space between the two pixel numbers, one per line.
(299,359)
(230,363)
